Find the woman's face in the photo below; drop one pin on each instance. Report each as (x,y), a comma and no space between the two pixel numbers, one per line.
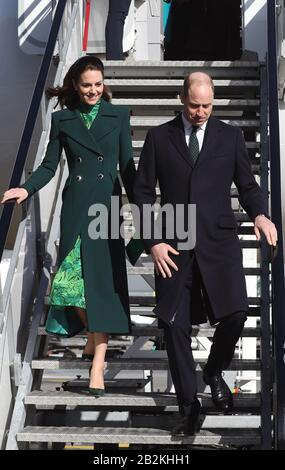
(90,86)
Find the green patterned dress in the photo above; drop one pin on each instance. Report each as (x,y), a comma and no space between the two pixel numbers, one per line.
(68,284)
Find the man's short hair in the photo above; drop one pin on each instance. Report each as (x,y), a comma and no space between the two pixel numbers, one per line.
(188,82)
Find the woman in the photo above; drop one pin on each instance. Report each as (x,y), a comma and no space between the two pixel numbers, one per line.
(90,288)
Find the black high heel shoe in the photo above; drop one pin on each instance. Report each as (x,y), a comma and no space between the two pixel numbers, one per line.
(96,392)
(87,357)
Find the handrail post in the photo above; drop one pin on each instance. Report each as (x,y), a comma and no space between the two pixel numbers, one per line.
(265,340)
(86,25)
(6,216)
(278,287)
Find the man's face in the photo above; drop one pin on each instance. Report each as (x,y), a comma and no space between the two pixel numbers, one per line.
(198,104)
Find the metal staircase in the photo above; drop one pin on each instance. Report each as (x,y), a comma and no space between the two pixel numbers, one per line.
(53,407)
(43,381)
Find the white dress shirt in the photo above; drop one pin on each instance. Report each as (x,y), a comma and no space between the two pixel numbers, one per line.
(188,129)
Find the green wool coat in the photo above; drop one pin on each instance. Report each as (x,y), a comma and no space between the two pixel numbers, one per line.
(92,156)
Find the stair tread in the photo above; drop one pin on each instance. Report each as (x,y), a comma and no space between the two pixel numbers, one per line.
(134,435)
(141,121)
(169,64)
(153,362)
(149,270)
(153,82)
(54,398)
(142,304)
(234,192)
(138,144)
(176,101)
(111,384)
(144,330)
(153,330)
(136,270)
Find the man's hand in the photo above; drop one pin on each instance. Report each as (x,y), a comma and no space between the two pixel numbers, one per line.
(161,259)
(265,226)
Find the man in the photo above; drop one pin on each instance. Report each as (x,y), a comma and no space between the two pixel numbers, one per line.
(114,31)
(196,158)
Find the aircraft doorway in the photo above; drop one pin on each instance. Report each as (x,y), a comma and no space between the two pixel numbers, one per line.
(203,30)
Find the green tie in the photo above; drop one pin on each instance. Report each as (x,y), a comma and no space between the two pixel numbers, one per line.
(194,144)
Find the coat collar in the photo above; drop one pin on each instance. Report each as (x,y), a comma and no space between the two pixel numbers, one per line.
(105,122)
(177,136)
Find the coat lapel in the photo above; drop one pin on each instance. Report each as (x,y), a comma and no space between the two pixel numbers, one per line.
(211,138)
(177,137)
(104,123)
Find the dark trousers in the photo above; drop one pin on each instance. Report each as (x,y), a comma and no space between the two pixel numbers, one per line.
(178,346)
(118,11)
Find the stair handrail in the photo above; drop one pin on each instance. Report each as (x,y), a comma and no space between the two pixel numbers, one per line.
(278,284)
(69,44)
(86,24)
(30,122)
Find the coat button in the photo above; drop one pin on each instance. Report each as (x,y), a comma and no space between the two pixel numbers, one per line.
(78,178)
(79,159)
(100,158)
(100,176)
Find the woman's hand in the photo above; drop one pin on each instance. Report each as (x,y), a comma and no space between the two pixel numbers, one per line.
(20,194)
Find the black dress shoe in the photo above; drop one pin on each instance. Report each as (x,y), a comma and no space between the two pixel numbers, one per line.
(221,394)
(190,424)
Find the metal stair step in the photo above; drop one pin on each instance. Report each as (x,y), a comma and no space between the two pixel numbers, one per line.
(249,244)
(116,385)
(149,68)
(245,244)
(246,230)
(147,330)
(143,305)
(136,363)
(144,270)
(134,436)
(239,216)
(129,231)
(141,302)
(175,103)
(234,191)
(204,332)
(149,300)
(140,399)
(138,122)
(80,341)
(149,270)
(137,84)
(212,421)
(138,145)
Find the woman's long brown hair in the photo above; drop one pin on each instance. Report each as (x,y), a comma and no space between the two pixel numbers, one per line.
(66,94)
